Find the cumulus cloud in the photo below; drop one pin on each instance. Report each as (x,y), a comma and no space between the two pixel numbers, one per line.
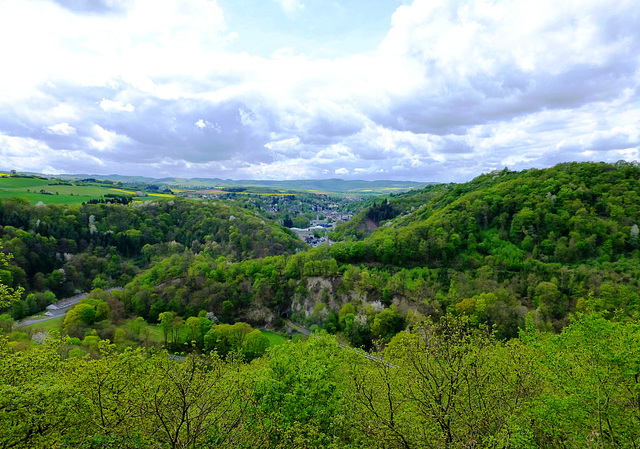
(454,89)
(104,139)
(26,154)
(115,106)
(63,129)
(492,61)
(284,146)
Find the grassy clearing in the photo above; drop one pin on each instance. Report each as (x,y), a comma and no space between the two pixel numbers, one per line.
(47,325)
(35,198)
(22,183)
(274,339)
(155,333)
(263,194)
(152,333)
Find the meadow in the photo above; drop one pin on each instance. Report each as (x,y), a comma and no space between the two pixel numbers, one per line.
(275,339)
(48,191)
(36,190)
(46,326)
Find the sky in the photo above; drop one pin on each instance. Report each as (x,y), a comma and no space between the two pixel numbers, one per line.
(423,90)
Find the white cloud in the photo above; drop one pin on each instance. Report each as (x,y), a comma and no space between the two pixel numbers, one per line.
(64,111)
(335,152)
(291,169)
(456,87)
(50,42)
(284,145)
(26,154)
(115,106)
(63,129)
(104,139)
(462,38)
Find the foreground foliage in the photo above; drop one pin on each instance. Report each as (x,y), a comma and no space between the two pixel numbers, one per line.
(444,384)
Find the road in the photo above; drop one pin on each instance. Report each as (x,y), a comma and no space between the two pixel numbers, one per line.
(297,328)
(63,306)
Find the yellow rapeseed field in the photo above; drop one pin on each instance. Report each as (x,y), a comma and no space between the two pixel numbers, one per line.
(124,191)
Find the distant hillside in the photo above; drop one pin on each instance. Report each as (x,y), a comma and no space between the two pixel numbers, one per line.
(321,185)
(375,210)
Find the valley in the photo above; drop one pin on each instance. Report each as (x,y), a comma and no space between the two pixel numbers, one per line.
(472,290)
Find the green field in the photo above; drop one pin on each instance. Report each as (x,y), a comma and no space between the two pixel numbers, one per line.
(154,333)
(32,189)
(46,326)
(274,339)
(49,191)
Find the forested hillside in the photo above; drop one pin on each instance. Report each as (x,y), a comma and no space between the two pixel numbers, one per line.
(542,242)
(566,214)
(63,249)
(373,211)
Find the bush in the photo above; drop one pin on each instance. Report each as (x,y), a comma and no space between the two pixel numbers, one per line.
(77,353)
(91,342)
(18,336)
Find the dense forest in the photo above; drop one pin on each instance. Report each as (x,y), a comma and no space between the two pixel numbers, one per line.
(64,249)
(503,312)
(542,242)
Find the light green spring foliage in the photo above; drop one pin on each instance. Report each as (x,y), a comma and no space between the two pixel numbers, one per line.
(37,404)
(8,295)
(87,312)
(445,384)
(238,338)
(442,385)
(591,378)
(302,397)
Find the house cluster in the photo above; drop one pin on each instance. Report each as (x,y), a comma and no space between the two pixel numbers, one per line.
(331,218)
(314,235)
